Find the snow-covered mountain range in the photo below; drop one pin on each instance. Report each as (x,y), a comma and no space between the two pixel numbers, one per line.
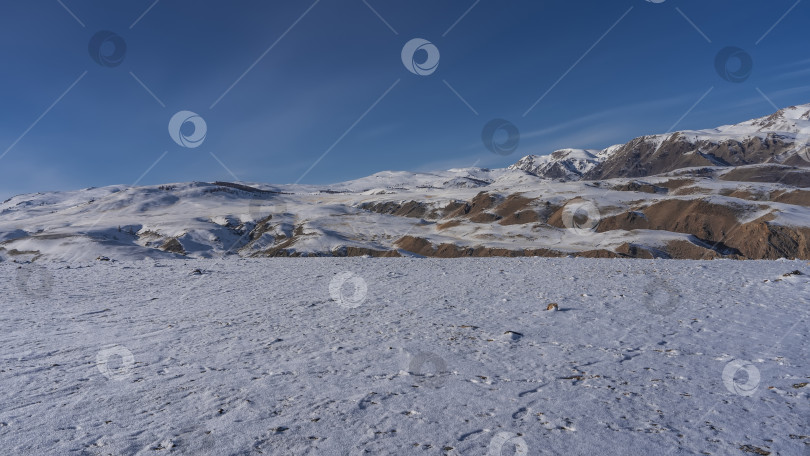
(731,192)
(779,138)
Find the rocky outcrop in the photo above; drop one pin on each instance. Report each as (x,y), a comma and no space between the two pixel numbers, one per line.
(787,175)
(565,164)
(413,209)
(650,155)
(717,230)
(173,246)
(424,247)
(779,139)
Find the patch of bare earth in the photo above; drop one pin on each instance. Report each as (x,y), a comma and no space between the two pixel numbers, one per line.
(746,194)
(717,226)
(421,246)
(475,207)
(637,186)
(173,246)
(685,250)
(797,197)
(787,175)
(413,209)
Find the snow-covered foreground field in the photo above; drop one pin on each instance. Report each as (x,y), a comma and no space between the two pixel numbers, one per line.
(409,356)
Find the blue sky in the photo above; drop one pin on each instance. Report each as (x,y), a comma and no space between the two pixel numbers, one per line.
(280,84)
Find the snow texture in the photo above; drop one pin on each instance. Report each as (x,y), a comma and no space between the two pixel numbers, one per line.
(324,356)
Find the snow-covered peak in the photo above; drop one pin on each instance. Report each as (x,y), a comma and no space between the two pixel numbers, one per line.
(567,164)
(789,128)
(789,120)
(405,180)
(792,123)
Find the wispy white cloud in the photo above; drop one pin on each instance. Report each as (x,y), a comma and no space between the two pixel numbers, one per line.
(790,92)
(594,137)
(802,73)
(794,64)
(610,114)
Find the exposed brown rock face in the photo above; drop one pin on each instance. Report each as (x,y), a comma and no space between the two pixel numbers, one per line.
(555,218)
(788,175)
(520,218)
(746,194)
(635,251)
(282,244)
(476,206)
(686,250)
(644,157)
(717,228)
(452,207)
(410,209)
(711,223)
(763,240)
(674,184)
(797,197)
(483,208)
(446,225)
(484,217)
(512,204)
(173,246)
(516,210)
(748,241)
(697,217)
(640,187)
(360,251)
(421,246)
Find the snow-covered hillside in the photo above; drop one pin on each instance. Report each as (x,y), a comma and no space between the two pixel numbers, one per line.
(476,211)
(403,356)
(782,137)
(732,192)
(792,123)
